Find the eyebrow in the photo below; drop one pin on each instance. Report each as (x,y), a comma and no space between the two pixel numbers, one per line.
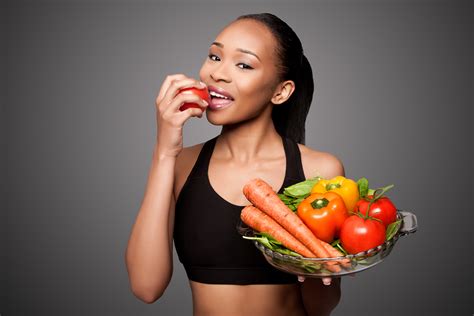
(239,49)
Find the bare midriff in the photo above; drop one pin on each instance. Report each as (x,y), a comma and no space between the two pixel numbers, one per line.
(244,300)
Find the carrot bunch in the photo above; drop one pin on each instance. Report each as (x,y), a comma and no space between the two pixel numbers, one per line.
(269,214)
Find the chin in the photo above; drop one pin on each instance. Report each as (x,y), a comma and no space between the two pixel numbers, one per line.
(219,119)
(230,117)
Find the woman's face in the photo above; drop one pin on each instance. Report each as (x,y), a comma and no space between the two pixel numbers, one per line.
(242,64)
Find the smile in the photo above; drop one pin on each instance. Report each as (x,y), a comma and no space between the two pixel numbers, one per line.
(219,103)
(217,95)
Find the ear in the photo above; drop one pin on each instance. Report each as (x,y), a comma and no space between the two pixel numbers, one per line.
(283,92)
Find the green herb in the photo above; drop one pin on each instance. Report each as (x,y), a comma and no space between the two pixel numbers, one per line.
(301,189)
(294,194)
(363,185)
(273,244)
(337,244)
(392,229)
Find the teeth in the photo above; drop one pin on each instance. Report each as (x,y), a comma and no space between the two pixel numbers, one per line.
(217,95)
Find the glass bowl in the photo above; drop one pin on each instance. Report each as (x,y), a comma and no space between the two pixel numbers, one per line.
(315,267)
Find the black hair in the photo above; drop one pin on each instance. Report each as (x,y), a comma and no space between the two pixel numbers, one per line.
(289,117)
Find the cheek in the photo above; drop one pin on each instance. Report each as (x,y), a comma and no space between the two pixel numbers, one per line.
(258,91)
(204,71)
(250,83)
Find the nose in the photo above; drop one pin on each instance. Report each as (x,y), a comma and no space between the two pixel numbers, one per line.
(219,73)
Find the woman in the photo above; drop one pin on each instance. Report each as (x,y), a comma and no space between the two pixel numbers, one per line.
(262,88)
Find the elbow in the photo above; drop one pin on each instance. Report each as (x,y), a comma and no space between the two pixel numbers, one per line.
(147,295)
(148,285)
(149,292)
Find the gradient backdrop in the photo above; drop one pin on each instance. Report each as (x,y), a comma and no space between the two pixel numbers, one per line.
(393,100)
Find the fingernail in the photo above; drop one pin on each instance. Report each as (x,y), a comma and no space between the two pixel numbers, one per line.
(202,84)
(205,102)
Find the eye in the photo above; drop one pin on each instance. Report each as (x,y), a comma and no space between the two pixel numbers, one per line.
(244,66)
(211,57)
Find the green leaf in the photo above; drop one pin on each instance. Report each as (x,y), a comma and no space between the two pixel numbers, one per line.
(298,201)
(290,201)
(310,268)
(263,240)
(363,185)
(337,244)
(301,189)
(392,229)
(286,251)
(268,241)
(270,238)
(286,199)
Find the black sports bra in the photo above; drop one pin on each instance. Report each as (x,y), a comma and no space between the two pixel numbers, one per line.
(205,233)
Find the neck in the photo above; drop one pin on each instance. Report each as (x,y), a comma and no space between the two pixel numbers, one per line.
(248,140)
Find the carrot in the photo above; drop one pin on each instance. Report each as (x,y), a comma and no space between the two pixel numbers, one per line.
(263,223)
(261,194)
(333,252)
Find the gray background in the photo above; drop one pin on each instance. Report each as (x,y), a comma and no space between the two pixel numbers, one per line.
(393,101)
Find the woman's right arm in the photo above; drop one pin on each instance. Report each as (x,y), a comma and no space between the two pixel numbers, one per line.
(149,253)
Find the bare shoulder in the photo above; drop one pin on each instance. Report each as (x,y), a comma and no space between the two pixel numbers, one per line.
(184,164)
(319,163)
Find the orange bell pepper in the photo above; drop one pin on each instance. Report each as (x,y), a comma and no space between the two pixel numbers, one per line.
(345,187)
(324,214)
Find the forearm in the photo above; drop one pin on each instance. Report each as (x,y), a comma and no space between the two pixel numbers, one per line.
(149,251)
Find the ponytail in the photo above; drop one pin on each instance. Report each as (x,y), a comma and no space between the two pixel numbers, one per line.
(289,117)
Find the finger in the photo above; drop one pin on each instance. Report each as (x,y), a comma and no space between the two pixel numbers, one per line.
(183,116)
(327,281)
(301,278)
(165,85)
(178,84)
(180,99)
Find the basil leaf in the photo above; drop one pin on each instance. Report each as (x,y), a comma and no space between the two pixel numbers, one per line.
(270,238)
(310,269)
(263,240)
(298,201)
(392,229)
(363,185)
(301,189)
(268,241)
(287,251)
(286,199)
(290,201)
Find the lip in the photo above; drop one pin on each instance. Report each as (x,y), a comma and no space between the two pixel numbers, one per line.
(220,104)
(220,91)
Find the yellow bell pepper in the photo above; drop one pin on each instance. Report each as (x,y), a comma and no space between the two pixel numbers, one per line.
(345,187)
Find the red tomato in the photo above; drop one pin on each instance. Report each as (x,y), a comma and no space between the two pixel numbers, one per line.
(202,93)
(382,209)
(361,234)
